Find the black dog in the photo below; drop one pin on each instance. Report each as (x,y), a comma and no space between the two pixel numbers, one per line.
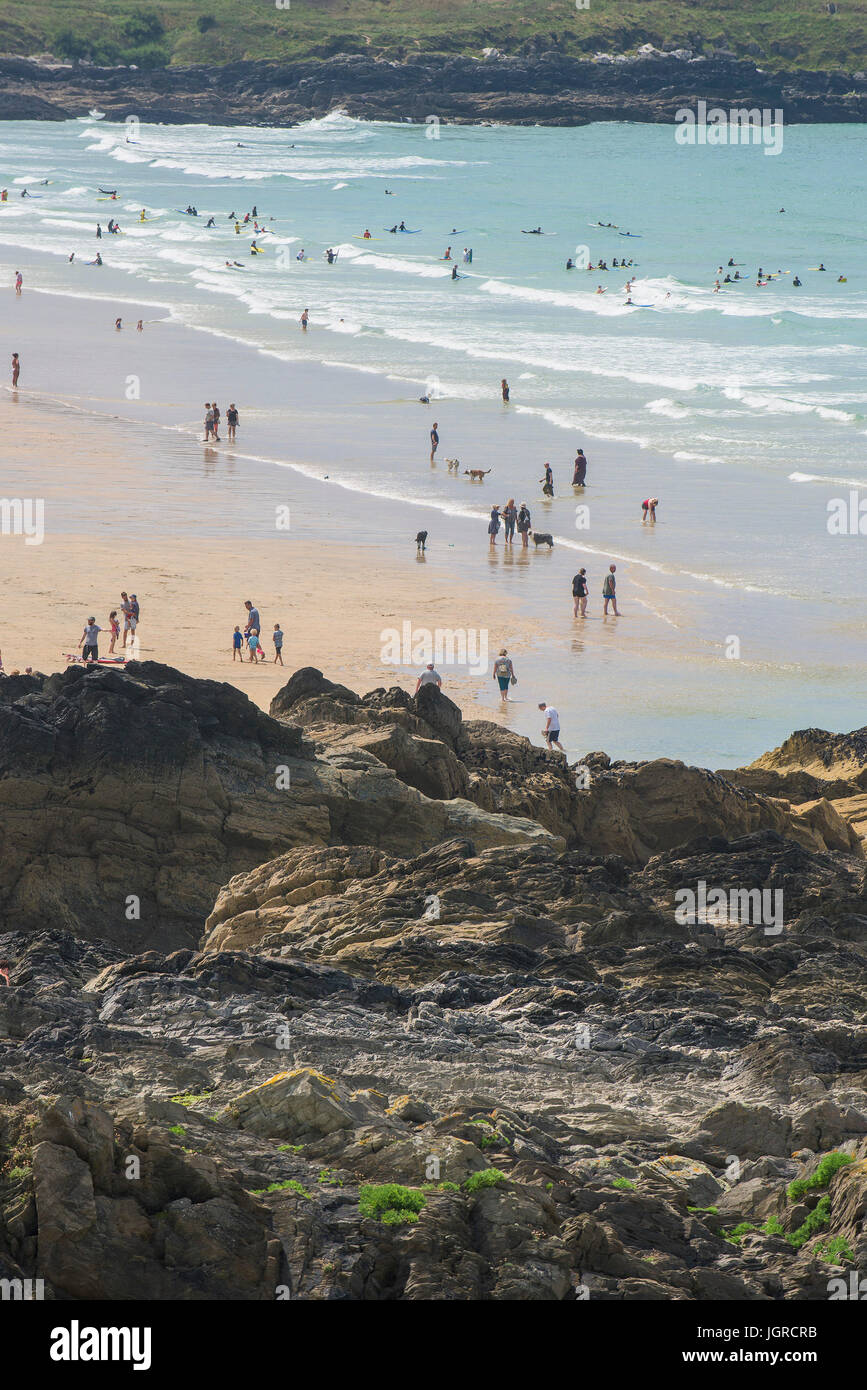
(419,542)
(543,538)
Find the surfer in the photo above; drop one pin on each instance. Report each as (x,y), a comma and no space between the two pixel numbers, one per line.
(210,223)
(448,254)
(820,266)
(366,234)
(796,281)
(455,275)
(570,264)
(402,227)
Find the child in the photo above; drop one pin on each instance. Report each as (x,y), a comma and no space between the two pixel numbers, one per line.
(253,644)
(115,629)
(237,645)
(232,422)
(278,644)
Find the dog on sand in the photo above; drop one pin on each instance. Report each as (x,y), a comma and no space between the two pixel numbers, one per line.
(420,542)
(543,538)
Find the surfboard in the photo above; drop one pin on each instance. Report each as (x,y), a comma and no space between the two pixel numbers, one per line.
(633,234)
(367,238)
(602,226)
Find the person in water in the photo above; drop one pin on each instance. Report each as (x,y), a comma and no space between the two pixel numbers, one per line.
(455,275)
(548,481)
(796,282)
(820,266)
(504,387)
(570,264)
(648,509)
(402,227)
(524,523)
(580,470)
(494,524)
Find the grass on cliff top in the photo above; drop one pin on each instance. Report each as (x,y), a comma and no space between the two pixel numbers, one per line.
(783,34)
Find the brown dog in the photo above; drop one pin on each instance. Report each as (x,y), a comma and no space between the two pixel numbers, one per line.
(476,474)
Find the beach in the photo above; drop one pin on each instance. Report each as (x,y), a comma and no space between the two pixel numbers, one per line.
(737,621)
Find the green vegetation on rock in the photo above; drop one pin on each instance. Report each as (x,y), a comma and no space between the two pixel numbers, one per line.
(488,1177)
(819,1180)
(781,34)
(390,1203)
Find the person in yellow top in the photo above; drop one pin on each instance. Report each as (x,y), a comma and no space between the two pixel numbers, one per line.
(142,215)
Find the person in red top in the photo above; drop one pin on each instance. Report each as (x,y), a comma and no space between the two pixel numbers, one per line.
(648,508)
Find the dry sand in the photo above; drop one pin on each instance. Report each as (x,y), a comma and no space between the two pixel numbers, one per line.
(333,602)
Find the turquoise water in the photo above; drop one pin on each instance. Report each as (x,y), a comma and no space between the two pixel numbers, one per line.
(745,412)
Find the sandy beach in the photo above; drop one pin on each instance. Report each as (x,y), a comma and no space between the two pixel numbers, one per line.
(192,588)
(106,429)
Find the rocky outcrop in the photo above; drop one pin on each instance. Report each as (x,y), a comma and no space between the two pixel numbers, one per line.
(382,1041)
(545,86)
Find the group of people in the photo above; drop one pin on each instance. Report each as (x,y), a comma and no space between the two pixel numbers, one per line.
(250,638)
(212,422)
(130,614)
(513,519)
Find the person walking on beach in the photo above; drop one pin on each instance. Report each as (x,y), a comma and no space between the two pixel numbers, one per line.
(19,281)
(114,625)
(609,592)
(551,731)
(135,614)
(504,674)
(277,638)
(494,524)
(216,410)
(548,481)
(580,472)
(252,617)
(232,421)
(253,644)
(510,517)
(524,523)
(237,644)
(648,509)
(434,440)
(16,368)
(579,594)
(428,677)
(90,640)
(504,387)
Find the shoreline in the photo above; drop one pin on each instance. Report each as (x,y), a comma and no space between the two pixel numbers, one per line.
(551,88)
(597,679)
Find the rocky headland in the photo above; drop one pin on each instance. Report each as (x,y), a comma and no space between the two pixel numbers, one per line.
(357,1000)
(541,86)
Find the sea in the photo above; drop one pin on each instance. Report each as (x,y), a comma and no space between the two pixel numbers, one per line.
(743,409)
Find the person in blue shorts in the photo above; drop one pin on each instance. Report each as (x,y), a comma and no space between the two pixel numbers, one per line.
(237,645)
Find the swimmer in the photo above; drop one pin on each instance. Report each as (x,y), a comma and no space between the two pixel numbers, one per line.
(796,281)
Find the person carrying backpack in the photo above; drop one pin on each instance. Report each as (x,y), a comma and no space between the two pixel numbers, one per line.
(504,674)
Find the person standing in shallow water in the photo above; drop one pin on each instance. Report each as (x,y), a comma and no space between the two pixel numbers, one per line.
(510,517)
(524,523)
(580,472)
(504,387)
(579,594)
(494,525)
(504,674)
(434,440)
(609,592)
(16,368)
